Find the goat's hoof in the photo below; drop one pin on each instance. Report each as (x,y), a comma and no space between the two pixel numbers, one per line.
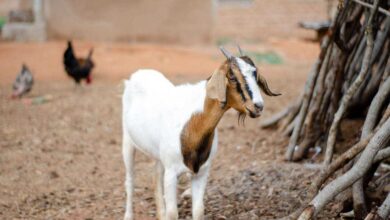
(172,216)
(186,194)
(128,217)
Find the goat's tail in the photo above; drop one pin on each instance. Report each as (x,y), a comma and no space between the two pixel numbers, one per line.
(126,97)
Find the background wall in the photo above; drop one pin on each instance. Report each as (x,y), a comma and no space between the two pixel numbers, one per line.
(176,21)
(263,19)
(7,5)
(138,20)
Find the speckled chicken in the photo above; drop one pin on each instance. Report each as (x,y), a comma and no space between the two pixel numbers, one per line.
(23,82)
(78,68)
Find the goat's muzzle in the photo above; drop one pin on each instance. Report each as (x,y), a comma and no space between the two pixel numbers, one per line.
(253,113)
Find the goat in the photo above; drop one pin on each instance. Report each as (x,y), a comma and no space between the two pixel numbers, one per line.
(176,125)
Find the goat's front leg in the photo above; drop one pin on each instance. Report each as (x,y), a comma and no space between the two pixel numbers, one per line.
(170,197)
(159,191)
(198,186)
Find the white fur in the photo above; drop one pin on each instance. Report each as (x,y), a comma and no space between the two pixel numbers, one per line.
(154,114)
(247,71)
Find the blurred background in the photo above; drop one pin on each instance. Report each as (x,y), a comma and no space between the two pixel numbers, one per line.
(261,27)
(169,21)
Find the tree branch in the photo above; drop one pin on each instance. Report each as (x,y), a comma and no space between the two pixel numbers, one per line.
(359,203)
(384,11)
(382,155)
(356,172)
(375,107)
(277,117)
(384,209)
(340,162)
(352,89)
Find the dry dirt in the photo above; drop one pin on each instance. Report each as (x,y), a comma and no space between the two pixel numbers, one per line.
(62,159)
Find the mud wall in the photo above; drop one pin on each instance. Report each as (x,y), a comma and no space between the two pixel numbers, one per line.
(265,19)
(8,5)
(134,20)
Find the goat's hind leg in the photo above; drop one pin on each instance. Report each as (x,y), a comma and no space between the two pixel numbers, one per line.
(159,190)
(128,151)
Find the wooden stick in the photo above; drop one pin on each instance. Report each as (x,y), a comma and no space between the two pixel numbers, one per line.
(382,155)
(384,209)
(357,171)
(352,89)
(309,87)
(340,162)
(276,117)
(359,203)
(384,11)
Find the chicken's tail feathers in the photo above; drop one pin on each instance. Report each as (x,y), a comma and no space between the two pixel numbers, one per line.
(69,56)
(90,54)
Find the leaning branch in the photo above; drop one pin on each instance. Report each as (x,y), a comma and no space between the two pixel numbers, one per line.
(384,11)
(384,210)
(382,155)
(375,107)
(275,118)
(340,162)
(356,172)
(352,89)
(359,202)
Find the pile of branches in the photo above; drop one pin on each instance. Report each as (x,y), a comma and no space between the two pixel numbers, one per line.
(349,78)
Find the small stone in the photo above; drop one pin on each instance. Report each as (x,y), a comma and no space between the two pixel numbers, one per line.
(54,175)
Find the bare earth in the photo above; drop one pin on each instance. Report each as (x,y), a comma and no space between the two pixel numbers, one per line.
(62,159)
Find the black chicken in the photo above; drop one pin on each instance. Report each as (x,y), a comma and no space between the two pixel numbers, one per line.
(23,82)
(78,68)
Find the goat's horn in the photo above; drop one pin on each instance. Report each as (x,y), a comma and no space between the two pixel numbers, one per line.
(239,50)
(226,53)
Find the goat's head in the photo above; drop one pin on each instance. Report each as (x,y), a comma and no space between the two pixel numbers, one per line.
(237,84)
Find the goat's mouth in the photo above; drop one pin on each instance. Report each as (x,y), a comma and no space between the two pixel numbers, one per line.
(253,114)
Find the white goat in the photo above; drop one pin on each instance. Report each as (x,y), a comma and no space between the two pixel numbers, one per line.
(176,125)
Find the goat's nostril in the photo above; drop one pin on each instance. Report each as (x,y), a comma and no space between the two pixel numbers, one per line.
(259,106)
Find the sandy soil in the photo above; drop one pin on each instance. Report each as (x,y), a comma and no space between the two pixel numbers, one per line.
(62,159)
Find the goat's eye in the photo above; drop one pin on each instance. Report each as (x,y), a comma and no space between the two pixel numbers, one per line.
(255,73)
(233,79)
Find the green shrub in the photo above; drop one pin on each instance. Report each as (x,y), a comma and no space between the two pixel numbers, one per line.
(2,22)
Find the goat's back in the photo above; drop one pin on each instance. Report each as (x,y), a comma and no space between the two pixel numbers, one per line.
(145,86)
(146,81)
(145,105)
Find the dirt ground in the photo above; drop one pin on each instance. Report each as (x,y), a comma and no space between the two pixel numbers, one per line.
(62,159)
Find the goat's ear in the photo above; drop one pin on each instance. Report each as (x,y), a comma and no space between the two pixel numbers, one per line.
(216,86)
(264,86)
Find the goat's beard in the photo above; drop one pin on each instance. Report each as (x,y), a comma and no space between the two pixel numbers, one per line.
(241,118)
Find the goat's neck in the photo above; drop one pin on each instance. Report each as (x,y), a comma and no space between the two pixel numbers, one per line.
(198,134)
(211,115)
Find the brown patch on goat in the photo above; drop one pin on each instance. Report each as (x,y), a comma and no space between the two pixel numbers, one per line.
(198,134)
